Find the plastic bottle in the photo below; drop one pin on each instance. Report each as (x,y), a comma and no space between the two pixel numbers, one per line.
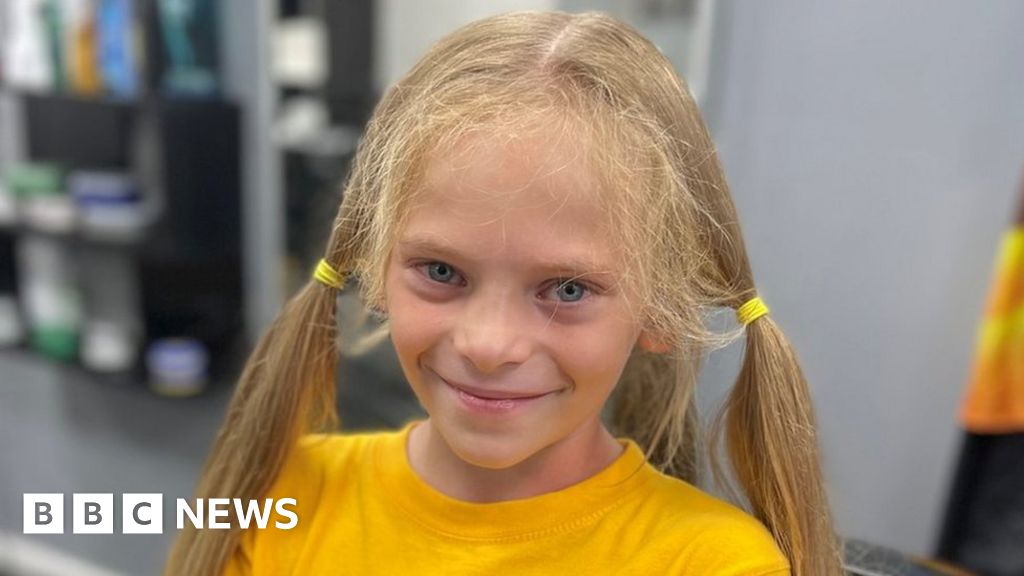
(112,329)
(26,62)
(52,299)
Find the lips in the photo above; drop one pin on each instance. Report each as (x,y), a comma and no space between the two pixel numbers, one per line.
(495,394)
(489,394)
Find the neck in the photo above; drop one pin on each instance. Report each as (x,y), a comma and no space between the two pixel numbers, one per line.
(569,461)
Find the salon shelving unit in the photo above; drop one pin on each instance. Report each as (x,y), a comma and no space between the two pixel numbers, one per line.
(206,260)
(185,155)
(77,430)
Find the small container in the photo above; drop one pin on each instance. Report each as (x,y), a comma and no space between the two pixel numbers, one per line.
(39,188)
(107,346)
(109,204)
(177,366)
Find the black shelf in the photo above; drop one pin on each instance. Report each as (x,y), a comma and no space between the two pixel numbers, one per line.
(81,237)
(185,154)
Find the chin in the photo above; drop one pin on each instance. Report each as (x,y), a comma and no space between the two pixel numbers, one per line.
(486,451)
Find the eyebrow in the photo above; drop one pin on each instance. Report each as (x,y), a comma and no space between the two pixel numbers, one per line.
(576,265)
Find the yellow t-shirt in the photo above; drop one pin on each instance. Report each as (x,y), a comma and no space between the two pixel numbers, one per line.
(363,510)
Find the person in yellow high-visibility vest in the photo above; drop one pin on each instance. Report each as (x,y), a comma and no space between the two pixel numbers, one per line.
(994,402)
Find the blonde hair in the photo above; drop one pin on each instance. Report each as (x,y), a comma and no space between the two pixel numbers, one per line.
(666,198)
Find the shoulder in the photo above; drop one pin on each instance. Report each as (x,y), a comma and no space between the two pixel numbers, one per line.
(708,535)
(317,457)
(318,470)
(327,451)
(321,467)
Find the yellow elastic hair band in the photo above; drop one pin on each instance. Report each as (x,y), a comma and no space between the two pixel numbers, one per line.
(751,310)
(327,275)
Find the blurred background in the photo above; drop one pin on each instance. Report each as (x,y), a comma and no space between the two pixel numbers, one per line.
(169,170)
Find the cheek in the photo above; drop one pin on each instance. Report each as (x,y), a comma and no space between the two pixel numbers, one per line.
(412,332)
(596,355)
(415,324)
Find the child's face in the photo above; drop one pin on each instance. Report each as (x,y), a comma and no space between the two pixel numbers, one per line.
(483,309)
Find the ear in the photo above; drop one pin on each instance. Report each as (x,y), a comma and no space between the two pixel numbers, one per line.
(652,343)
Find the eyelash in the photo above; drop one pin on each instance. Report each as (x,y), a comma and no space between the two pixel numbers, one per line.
(589,290)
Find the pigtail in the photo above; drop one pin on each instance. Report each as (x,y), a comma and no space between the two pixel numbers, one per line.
(767,422)
(769,431)
(287,389)
(286,385)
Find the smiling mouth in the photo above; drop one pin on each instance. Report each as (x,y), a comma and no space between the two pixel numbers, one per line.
(492,406)
(493,395)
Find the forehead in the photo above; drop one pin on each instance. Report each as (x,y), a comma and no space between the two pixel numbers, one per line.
(526,195)
(534,158)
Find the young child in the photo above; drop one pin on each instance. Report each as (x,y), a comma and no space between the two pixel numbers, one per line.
(537,214)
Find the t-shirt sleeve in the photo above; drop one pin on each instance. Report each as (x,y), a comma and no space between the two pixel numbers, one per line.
(733,545)
(711,537)
(261,551)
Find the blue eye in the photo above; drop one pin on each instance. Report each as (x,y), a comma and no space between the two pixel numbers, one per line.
(444,274)
(574,290)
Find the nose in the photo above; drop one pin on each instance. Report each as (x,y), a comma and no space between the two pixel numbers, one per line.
(492,331)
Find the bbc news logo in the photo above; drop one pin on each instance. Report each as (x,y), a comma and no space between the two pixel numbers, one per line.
(143,513)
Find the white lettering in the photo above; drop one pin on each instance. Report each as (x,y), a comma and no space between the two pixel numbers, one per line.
(253,509)
(143,513)
(281,510)
(196,517)
(215,512)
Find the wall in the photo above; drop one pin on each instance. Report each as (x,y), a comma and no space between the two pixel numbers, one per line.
(874,150)
(407,28)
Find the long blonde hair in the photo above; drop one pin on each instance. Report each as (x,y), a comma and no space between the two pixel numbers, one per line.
(668,201)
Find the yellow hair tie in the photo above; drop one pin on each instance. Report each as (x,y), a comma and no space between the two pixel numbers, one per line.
(751,310)
(327,275)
